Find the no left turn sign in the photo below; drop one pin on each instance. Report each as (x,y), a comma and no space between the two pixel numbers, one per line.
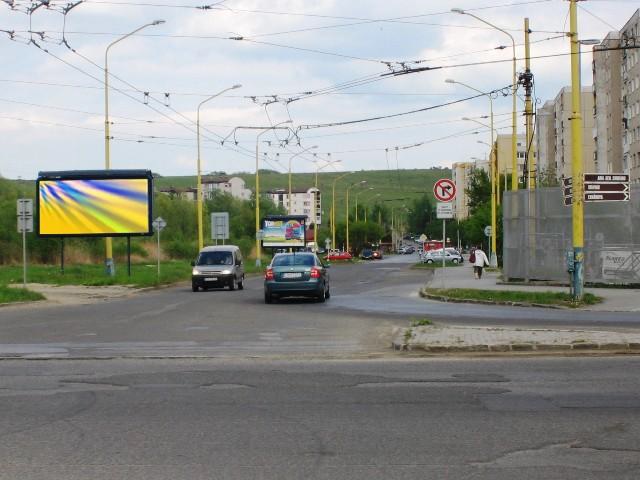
(444,190)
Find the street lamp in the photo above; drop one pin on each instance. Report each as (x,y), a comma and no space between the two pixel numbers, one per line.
(357,195)
(315,201)
(363,182)
(110,267)
(365,212)
(290,159)
(258,249)
(493,168)
(514,86)
(333,207)
(199,175)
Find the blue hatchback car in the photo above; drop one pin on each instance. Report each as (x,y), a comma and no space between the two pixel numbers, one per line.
(296,275)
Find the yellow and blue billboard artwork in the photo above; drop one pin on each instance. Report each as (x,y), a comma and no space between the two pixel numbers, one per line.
(94,207)
(283,233)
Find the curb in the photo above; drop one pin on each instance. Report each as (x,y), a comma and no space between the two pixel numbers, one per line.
(521,348)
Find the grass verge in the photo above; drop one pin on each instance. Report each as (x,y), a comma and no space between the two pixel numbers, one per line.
(142,275)
(506,296)
(9,295)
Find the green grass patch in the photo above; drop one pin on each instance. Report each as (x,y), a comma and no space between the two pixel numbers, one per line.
(142,274)
(9,295)
(421,322)
(436,265)
(542,298)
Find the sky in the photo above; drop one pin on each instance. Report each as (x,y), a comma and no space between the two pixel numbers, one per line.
(330,68)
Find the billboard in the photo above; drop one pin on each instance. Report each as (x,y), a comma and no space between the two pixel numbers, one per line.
(104,203)
(283,231)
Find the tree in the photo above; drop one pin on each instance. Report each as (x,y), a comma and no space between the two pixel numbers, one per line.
(479,190)
(422,214)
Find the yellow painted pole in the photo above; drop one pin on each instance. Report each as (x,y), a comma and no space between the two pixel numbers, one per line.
(528,108)
(333,209)
(199,200)
(110,267)
(577,209)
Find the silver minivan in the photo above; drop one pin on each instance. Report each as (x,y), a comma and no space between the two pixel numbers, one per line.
(218,267)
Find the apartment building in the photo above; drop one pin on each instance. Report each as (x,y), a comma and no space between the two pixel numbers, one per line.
(505,158)
(546,143)
(460,174)
(304,201)
(607,65)
(234,186)
(553,126)
(616,76)
(630,73)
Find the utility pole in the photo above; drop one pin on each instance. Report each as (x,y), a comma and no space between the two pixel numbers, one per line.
(577,208)
(526,79)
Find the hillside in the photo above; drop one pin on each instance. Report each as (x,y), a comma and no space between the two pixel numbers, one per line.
(395,187)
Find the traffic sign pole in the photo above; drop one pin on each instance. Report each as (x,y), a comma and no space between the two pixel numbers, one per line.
(159,223)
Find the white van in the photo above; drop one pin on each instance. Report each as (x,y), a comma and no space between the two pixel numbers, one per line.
(218,266)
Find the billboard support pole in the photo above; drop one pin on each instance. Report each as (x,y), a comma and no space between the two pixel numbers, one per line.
(62,255)
(129,255)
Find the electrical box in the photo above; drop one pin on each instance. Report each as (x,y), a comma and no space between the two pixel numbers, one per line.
(570,261)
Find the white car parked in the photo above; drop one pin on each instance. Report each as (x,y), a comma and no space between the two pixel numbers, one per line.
(451,255)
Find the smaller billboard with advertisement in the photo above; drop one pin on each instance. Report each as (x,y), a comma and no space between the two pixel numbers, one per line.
(281,231)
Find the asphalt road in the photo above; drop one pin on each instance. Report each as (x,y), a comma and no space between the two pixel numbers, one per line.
(494,419)
(367,300)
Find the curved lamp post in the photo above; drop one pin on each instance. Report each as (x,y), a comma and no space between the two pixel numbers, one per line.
(333,208)
(198,169)
(363,182)
(290,160)
(315,202)
(514,128)
(110,267)
(357,195)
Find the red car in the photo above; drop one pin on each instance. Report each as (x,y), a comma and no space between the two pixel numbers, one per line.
(338,255)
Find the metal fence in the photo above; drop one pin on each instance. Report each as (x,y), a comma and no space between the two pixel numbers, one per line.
(538,235)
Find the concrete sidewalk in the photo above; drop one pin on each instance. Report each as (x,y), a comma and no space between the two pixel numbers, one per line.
(472,339)
(614,299)
(460,339)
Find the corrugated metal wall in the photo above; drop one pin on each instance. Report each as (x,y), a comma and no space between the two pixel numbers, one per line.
(538,234)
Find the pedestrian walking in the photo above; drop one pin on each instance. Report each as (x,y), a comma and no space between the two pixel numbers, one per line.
(480,262)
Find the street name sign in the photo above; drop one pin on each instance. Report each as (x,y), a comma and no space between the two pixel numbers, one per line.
(444,210)
(444,190)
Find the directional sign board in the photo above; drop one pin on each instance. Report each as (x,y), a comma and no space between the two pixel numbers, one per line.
(444,190)
(606,187)
(599,187)
(567,190)
(444,210)
(487,231)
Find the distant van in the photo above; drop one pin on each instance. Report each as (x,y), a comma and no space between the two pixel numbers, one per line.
(218,267)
